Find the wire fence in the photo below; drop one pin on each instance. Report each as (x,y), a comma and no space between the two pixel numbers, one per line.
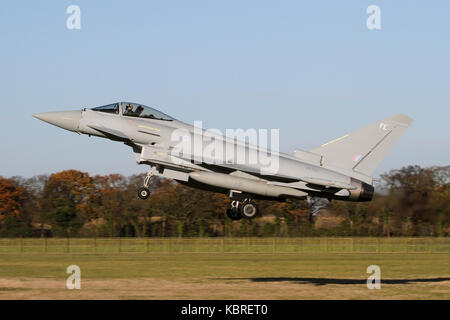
(224,245)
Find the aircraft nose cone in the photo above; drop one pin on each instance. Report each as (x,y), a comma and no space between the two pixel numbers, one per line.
(68,120)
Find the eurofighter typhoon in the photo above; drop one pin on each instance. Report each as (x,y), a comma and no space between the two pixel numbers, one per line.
(340,169)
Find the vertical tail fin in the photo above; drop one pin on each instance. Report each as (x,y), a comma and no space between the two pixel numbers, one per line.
(363,150)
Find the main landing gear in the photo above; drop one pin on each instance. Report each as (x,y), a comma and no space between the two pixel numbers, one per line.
(246,209)
(144,192)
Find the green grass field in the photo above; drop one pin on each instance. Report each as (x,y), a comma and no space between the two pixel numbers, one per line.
(227,271)
(226,245)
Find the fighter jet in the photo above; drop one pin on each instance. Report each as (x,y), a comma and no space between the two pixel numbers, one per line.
(340,169)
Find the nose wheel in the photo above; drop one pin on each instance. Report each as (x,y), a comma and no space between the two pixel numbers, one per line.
(143,193)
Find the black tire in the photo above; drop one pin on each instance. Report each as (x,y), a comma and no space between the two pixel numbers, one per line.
(248,209)
(234,214)
(143,193)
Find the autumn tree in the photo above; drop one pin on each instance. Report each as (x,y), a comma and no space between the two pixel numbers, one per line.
(12,198)
(411,201)
(187,209)
(416,192)
(67,196)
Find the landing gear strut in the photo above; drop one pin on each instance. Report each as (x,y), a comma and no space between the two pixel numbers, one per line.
(144,192)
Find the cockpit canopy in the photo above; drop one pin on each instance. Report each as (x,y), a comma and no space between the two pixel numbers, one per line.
(130,109)
(109,108)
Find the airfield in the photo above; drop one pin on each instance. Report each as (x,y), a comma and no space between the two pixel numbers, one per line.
(300,268)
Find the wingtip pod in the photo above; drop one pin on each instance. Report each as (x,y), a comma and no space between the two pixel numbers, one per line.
(402,119)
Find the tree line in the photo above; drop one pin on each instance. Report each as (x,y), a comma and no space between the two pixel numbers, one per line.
(411,201)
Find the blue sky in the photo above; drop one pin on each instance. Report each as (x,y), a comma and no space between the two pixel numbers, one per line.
(311,69)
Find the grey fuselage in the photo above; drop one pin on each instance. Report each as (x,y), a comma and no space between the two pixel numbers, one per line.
(156,142)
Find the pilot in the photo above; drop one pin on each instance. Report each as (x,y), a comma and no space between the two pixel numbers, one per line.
(128,109)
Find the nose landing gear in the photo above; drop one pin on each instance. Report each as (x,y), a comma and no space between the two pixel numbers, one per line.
(144,192)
